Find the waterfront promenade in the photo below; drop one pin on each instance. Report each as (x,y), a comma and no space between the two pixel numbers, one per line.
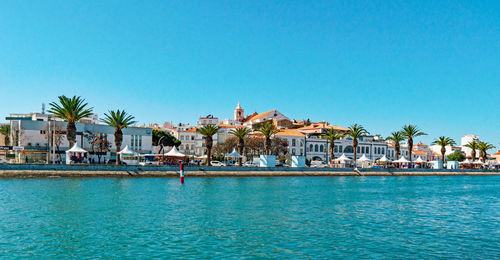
(40,170)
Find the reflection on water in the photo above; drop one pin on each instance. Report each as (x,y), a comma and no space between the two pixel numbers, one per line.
(316,217)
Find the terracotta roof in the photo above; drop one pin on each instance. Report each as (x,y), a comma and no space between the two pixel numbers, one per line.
(419,152)
(338,128)
(289,132)
(321,125)
(191,130)
(229,126)
(259,116)
(497,153)
(421,144)
(437,154)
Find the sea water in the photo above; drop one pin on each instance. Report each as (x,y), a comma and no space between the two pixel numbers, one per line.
(272,217)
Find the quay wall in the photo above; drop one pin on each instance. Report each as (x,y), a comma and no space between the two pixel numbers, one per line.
(62,170)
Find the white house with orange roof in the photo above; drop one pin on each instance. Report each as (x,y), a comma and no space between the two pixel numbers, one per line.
(188,141)
(295,139)
(266,116)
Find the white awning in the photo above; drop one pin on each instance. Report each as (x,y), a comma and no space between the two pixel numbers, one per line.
(233,154)
(477,162)
(383,159)
(402,159)
(343,158)
(76,149)
(363,158)
(466,161)
(126,150)
(419,160)
(175,153)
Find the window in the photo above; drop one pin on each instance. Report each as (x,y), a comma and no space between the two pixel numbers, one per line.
(362,149)
(182,137)
(367,149)
(336,149)
(321,148)
(301,143)
(316,148)
(293,142)
(383,150)
(357,149)
(310,148)
(348,149)
(192,137)
(293,151)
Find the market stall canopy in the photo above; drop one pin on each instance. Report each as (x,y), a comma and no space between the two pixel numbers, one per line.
(233,154)
(126,150)
(383,159)
(402,159)
(363,158)
(477,162)
(76,149)
(419,160)
(173,152)
(343,158)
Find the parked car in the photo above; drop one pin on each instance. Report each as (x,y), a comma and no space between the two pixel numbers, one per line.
(217,163)
(145,163)
(250,164)
(319,164)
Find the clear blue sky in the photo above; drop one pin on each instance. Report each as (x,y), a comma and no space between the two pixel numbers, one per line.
(382,64)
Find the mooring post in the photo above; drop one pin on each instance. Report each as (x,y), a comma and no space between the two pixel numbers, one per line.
(182,173)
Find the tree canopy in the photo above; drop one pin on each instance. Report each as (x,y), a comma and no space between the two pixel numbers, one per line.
(168,139)
(456,156)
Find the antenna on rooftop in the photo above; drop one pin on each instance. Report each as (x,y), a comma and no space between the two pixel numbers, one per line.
(43,108)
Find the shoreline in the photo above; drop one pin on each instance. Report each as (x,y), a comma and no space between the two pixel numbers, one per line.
(72,171)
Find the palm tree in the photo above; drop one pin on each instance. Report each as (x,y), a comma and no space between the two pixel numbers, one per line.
(443,141)
(411,131)
(267,130)
(5,130)
(474,145)
(119,120)
(355,131)
(397,137)
(331,135)
(484,147)
(208,131)
(72,110)
(240,133)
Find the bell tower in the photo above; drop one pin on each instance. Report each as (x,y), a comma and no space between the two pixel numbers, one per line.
(239,113)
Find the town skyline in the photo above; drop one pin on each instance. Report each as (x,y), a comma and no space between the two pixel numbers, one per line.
(427,139)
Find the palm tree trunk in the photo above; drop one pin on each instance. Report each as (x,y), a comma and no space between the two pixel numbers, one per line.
(71,133)
(397,148)
(240,151)
(443,151)
(208,144)
(332,155)
(473,154)
(118,144)
(267,146)
(355,151)
(410,149)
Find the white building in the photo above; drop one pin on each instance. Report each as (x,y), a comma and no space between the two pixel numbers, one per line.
(467,139)
(30,132)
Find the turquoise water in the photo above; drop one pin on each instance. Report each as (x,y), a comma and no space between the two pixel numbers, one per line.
(316,217)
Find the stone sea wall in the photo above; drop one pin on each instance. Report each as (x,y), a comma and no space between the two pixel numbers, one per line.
(42,170)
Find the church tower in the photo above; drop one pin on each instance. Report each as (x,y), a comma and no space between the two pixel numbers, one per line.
(239,113)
